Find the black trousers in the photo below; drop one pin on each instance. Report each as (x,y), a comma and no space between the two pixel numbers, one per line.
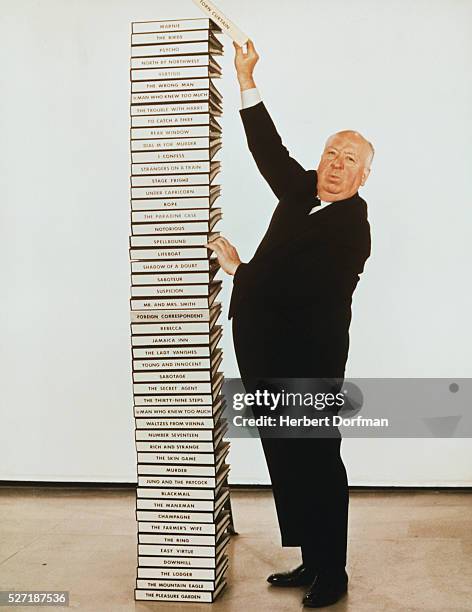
(308,476)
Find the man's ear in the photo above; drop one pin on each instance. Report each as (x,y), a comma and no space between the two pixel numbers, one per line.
(365,175)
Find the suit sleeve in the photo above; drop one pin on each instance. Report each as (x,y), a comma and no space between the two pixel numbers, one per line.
(241,284)
(272,158)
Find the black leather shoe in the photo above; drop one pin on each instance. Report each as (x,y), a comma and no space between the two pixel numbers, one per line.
(325,590)
(300,576)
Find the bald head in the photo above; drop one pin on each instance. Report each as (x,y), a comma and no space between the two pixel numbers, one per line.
(368,147)
(344,165)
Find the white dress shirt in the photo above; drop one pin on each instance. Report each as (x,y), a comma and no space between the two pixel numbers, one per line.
(251,97)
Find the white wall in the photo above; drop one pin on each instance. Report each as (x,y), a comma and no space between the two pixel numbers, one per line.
(397,71)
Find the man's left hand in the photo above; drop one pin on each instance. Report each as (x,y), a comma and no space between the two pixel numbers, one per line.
(227,255)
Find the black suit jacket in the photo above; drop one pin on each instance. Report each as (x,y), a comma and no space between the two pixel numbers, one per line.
(303,274)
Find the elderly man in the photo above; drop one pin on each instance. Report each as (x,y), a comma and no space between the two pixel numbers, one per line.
(291,310)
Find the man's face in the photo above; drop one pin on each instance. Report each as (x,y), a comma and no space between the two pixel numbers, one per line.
(343,166)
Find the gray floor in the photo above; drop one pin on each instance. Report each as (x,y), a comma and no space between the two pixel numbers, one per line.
(407,551)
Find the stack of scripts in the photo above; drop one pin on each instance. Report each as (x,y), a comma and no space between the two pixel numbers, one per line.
(182,496)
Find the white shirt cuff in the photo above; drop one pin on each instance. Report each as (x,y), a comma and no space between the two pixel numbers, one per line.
(250,97)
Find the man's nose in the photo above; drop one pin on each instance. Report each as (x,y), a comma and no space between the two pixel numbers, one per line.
(338,162)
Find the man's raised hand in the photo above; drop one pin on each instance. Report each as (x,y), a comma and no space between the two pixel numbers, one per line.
(245,63)
(227,255)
